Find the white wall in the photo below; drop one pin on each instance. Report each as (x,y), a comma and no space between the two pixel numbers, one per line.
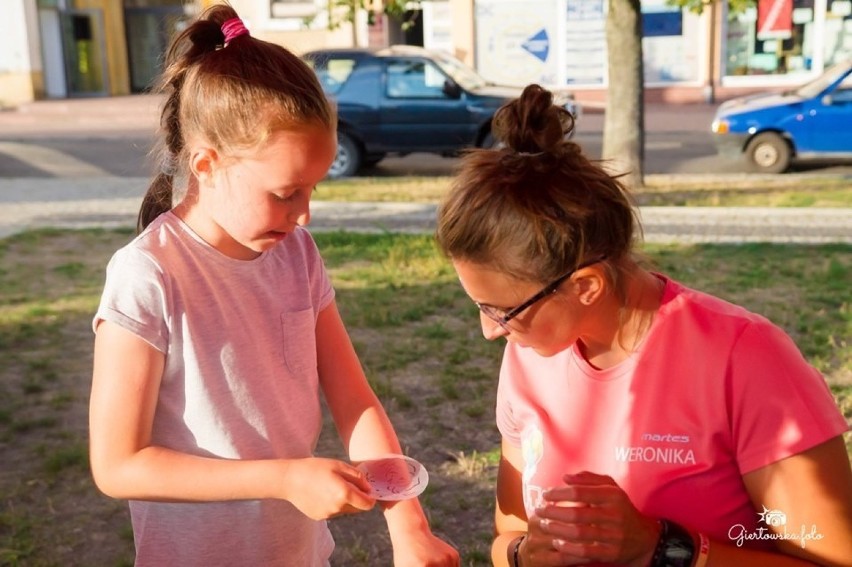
(20,59)
(19,41)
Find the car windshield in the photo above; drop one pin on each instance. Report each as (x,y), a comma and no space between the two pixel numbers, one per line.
(815,87)
(466,77)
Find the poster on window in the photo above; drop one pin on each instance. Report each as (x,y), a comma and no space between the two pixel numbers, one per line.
(438,26)
(585,42)
(672,45)
(515,41)
(774,19)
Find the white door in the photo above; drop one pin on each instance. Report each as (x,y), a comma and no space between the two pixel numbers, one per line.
(51,51)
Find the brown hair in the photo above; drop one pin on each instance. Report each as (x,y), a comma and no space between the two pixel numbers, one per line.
(231,96)
(535,207)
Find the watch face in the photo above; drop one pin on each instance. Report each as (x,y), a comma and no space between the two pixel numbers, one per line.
(677,550)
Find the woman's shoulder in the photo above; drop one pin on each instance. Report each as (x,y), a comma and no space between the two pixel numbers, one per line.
(680,300)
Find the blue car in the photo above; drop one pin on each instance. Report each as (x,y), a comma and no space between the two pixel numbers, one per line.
(811,122)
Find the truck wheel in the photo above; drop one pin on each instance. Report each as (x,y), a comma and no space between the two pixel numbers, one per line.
(769,153)
(347,162)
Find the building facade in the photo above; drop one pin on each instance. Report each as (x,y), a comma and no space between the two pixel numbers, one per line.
(85,48)
(688,57)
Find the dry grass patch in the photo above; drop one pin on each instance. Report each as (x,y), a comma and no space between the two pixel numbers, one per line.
(419,341)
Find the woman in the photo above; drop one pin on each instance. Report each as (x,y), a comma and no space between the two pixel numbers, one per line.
(642,422)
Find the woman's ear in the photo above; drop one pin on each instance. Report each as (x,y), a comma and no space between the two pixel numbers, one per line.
(202,164)
(590,284)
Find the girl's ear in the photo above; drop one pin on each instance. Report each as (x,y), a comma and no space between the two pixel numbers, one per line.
(202,164)
(590,284)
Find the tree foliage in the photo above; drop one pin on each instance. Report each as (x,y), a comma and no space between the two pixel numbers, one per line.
(346,10)
(698,6)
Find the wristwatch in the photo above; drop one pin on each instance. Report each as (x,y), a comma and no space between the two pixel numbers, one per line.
(513,551)
(675,548)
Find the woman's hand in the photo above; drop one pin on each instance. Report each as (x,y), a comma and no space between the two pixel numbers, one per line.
(590,519)
(324,488)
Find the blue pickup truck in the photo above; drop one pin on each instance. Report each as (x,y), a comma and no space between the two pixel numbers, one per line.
(812,122)
(406,99)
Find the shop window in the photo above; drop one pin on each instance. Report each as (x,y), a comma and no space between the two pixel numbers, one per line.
(292,8)
(775,37)
(838,31)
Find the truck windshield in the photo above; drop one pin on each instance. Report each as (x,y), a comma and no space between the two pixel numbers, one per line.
(466,77)
(818,85)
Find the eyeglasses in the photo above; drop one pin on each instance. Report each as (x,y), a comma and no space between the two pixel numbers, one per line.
(502,317)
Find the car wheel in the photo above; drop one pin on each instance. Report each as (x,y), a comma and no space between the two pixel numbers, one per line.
(347,162)
(769,153)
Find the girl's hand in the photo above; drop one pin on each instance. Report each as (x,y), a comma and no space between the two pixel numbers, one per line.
(590,519)
(324,488)
(421,548)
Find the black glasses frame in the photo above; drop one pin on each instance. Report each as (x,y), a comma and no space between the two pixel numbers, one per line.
(491,312)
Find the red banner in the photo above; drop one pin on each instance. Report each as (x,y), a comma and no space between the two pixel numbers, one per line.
(774,19)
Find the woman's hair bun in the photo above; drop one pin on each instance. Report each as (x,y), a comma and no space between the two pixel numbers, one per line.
(532,123)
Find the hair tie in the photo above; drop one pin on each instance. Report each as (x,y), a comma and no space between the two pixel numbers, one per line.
(530,154)
(233,29)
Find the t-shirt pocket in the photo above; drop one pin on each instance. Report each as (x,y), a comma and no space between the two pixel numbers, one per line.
(299,342)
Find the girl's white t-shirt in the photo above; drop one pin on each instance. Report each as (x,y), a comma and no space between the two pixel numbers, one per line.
(240,382)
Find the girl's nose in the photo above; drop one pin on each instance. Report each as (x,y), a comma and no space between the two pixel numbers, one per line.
(301,211)
(304,218)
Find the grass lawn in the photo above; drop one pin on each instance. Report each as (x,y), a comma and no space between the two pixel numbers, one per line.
(418,338)
(791,190)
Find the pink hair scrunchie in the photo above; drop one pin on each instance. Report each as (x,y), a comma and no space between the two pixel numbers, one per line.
(233,29)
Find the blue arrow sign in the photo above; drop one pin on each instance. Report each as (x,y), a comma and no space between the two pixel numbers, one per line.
(538,45)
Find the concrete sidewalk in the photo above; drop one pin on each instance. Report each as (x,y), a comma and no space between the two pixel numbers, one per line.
(84,117)
(110,202)
(92,200)
(114,116)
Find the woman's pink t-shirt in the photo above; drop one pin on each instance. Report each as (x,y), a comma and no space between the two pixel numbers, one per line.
(713,392)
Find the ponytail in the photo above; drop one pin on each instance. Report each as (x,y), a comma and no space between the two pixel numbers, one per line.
(230,90)
(157,200)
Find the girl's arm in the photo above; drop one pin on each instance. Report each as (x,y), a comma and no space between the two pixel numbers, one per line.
(125,464)
(367,432)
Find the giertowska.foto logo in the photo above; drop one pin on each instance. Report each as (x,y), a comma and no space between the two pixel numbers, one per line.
(775,528)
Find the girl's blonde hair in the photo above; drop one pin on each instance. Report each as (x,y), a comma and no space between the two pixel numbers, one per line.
(232,96)
(535,207)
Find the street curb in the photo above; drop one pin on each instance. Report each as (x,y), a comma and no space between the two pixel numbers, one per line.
(113,202)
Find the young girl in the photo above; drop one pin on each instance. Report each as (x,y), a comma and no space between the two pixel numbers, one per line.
(643,423)
(217,330)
